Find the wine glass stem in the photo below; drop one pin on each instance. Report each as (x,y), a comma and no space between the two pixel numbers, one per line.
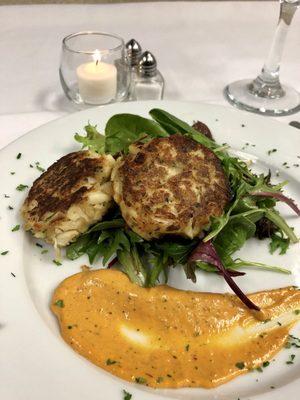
(267,83)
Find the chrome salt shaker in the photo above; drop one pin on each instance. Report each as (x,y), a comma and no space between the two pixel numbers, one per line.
(133,52)
(149,82)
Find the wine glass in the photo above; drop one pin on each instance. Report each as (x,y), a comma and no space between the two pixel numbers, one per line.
(265,94)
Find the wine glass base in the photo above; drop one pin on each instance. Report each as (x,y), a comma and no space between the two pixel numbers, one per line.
(238,94)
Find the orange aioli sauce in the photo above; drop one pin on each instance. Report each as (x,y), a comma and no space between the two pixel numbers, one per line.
(169,338)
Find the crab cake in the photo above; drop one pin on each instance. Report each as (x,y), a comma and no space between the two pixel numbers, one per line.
(169,185)
(74,193)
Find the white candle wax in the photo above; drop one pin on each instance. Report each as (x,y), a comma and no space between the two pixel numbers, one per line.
(97,82)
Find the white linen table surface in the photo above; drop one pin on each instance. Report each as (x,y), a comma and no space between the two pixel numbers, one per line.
(200,47)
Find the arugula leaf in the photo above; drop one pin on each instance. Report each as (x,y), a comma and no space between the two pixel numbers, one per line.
(124,129)
(110,224)
(132,265)
(78,248)
(238,263)
(159,263)
(274,216)
(279,243)
(233,237)
(93,139)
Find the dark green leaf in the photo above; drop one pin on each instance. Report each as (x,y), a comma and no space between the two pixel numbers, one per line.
(21,187)
(126,395)
(59,303)
(124,129)
(92,251)
(15,228)
(78,248)
(173,125)
(233,237)
(132,265)
(100,226)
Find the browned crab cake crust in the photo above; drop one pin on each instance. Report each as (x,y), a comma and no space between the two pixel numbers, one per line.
(169,185)
(72,194)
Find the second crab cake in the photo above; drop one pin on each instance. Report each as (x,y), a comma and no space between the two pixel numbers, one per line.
(74,193)
(169,185)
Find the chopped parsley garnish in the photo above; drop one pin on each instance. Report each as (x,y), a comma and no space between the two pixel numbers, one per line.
(59,303)
(56,262)
(297,312)
(15,228)
(272,387)
(259,369)
(38,167)
(39,245)
(4,253)
(240,365)
(291,360)
(44,251)
(12,274)
(10,207)
(187,347)
(21,187)
(293,341)
(266,364)
(141,380)
(6,196)
(12,172)
(271,151)
(110,362)
(19,156)
(126,395)
(30,165)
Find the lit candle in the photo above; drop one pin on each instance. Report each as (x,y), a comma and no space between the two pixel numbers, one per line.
(97,81)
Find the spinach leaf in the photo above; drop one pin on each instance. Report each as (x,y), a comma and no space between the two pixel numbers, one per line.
(173,125)
(123,129)
(93,139)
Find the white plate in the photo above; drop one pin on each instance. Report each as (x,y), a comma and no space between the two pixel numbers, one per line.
(35,363)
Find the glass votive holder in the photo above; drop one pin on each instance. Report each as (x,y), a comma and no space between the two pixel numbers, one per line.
(94,69)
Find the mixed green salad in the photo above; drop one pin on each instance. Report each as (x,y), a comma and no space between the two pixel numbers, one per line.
(250,213)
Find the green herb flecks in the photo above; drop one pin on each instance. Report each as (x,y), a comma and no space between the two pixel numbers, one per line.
(109,361)
(126,395)
(21,187)
(15,228)
(141,380)
(59,303)
(291,359)
(240,365)
(4,252)
(56,262)
(19,155)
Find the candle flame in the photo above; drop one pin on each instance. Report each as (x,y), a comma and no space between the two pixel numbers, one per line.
(97,56)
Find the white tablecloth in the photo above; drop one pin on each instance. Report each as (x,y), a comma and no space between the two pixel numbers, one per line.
(200,47)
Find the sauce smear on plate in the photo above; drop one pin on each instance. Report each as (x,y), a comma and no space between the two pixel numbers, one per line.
(169,338)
